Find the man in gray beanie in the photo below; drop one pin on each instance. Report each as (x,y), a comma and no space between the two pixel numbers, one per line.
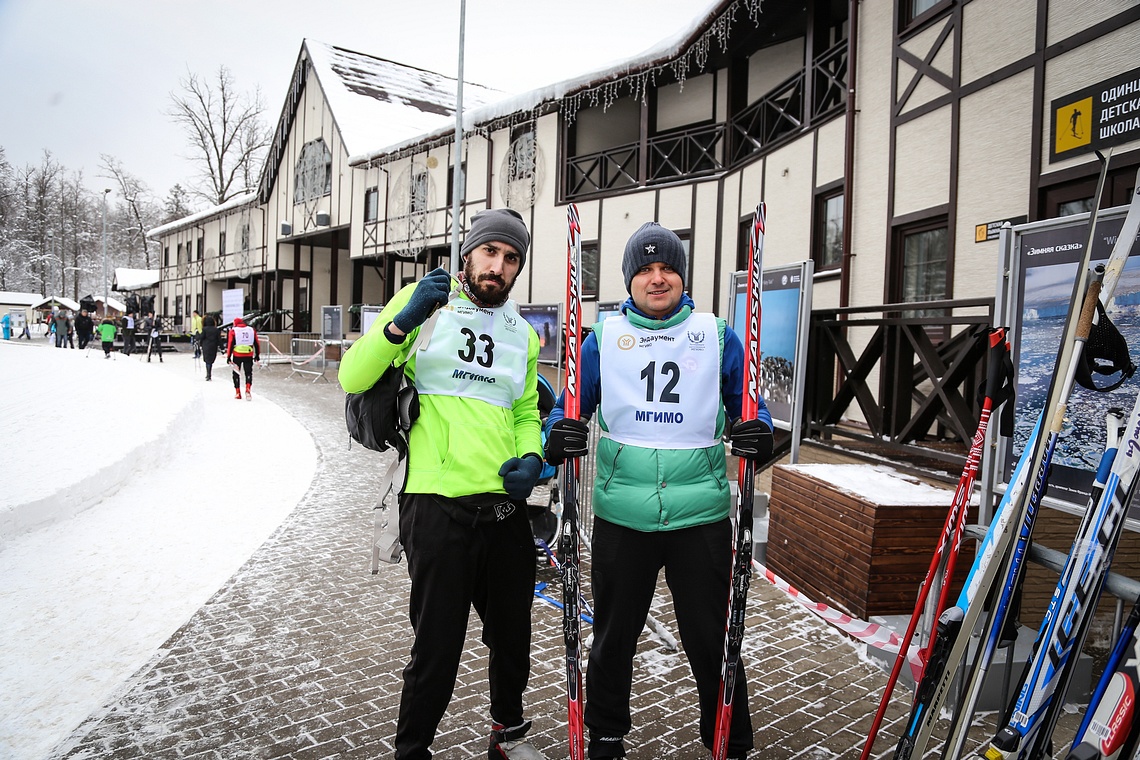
(664,502)
(474,454)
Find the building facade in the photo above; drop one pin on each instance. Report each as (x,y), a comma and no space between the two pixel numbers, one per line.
(881,135)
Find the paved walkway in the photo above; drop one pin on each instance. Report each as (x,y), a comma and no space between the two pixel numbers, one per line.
(300,653)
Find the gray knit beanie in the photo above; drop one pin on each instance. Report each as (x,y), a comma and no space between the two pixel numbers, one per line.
(502,225)
(649,244)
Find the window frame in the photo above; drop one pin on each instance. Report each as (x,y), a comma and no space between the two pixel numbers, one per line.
(823,197)
(591,278)
(372,204)
(899,235)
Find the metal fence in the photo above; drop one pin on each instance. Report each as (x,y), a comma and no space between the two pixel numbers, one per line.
(308,357)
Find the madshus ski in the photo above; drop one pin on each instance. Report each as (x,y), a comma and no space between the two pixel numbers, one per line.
(742,549)
(1018,508)
(1109,729)
(568,543)
(1069,615)
(998,391)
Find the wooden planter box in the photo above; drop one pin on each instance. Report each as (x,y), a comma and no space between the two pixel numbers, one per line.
(859,538)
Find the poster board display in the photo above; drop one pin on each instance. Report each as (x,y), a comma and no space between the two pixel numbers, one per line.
(233,305)
(368,315)
(546,321)
(784,323)
(1043,258)
(332,323)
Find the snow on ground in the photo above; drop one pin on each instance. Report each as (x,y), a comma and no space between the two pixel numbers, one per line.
(129,493)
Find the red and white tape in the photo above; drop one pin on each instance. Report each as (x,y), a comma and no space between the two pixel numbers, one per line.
(871,634)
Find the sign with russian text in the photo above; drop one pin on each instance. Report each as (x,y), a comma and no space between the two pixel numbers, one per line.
(1099,116)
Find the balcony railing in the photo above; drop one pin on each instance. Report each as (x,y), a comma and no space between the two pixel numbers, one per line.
(783,112)
(928,371)
(688,153)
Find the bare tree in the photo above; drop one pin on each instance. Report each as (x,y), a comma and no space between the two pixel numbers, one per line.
(137,206)
(227,132)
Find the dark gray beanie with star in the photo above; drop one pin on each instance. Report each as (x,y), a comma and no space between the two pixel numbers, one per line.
(652,243)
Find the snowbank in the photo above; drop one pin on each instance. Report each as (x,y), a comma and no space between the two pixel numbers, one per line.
(77,425)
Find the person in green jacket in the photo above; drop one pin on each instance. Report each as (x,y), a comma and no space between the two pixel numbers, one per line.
(474,455)
(661,492)
(107,336)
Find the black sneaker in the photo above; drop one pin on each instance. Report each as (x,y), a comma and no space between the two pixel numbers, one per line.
(605,747)
(509,744)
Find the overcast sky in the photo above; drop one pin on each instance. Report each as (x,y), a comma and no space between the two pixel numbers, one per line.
(83,78)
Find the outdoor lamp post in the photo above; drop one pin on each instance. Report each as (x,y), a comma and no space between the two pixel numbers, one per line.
(106,285)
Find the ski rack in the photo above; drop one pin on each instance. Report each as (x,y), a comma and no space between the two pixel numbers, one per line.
(1120,586)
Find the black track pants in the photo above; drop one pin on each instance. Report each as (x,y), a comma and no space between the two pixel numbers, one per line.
(454,567)
(625,566)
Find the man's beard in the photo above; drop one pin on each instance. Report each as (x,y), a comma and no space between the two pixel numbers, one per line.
(482,288)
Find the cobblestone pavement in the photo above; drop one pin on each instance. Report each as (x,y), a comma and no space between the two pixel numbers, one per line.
(300,653)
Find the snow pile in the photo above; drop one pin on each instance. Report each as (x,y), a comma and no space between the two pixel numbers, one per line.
(877,484)
(78,425)
(182,483)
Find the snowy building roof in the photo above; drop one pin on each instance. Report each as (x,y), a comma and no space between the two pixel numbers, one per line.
(19,299)
(696,35)
(136,279)
(236,202)
(114,303)
(378,102)
(63,301)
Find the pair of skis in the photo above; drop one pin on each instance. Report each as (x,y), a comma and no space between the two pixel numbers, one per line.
(568,545)
(998,391)
(1002,554)
(1110,730)
(1066,622)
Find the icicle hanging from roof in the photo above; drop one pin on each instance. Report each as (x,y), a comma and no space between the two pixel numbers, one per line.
(639,83)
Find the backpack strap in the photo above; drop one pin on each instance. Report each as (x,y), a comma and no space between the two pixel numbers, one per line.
(386,533)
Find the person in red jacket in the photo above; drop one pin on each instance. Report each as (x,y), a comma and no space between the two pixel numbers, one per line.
(242,350)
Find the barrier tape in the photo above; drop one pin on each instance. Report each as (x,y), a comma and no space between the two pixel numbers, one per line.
(872,634)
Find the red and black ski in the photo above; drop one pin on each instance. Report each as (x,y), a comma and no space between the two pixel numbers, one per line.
(742,548)
(568,542)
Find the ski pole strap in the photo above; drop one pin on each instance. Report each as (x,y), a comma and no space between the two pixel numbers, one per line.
(1105,354)
(999,387)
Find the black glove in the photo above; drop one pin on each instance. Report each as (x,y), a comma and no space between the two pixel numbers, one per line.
(751,439)
(519,476)
(430,292)
(567,438)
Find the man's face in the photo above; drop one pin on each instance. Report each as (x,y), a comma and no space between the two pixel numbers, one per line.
(656,289)
(491,270)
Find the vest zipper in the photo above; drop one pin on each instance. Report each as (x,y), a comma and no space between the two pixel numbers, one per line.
(613,467)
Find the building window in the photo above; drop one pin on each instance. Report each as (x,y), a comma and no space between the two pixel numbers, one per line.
(914,12)
(313,173)
(827,247)
(166,255)
(686,241)
(451,179)
(922,264)
(1075,196)
(222,243)
(201,247)
(371,204)
(590,254)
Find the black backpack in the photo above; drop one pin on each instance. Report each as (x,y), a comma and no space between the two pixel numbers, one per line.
(380,417)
